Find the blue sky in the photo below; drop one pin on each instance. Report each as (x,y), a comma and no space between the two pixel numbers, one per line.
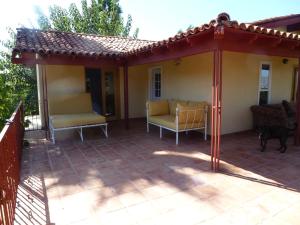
(158,19)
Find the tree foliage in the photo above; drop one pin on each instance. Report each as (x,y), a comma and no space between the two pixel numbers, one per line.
(16,83)
(188,28)
(96,17)
(19,83)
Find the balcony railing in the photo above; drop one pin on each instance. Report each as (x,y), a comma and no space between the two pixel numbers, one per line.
(11,141)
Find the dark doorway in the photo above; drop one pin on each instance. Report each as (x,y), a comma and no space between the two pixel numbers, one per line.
(93,86)
(109,88)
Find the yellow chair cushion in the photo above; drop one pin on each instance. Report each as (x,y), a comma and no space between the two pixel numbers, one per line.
(73,120)
(174,103)
(157,108)
(70,104)
(169,122)
(190,114)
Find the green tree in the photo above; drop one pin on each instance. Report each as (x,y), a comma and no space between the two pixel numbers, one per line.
(16,83)
(188,28)
(19,83)
(99,17)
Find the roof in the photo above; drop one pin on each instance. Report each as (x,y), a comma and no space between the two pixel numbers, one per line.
(65,43)
(58,42)
(224,21)
(275,19)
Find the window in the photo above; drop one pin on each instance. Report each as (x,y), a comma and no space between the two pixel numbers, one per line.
(264,84)
(155,83)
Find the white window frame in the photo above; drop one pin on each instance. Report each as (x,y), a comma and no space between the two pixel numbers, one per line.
(151,91)
(270,81)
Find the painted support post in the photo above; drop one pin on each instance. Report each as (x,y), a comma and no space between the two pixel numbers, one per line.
(45,101)
(126,114)
(297,133)
(216,110)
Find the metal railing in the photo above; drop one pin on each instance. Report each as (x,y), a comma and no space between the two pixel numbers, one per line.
(11,141)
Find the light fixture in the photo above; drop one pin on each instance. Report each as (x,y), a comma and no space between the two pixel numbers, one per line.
(177,61)
(285,61)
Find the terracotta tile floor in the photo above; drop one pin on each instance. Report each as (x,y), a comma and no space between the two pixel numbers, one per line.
(135,178)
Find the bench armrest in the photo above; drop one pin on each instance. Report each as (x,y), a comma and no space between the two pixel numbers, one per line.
(157,108)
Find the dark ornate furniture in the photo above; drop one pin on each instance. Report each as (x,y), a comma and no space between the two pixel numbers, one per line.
(283,115)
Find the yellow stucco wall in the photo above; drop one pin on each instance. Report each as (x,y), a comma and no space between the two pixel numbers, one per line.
(241,82)
(192,80)
(64,80)
(137,91)
(188,80)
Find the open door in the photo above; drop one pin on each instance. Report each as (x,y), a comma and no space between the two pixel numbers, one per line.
(93,85)
(109,94)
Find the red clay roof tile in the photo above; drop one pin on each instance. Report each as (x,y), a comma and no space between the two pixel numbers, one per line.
(57,42)
(274,19)
(224,21)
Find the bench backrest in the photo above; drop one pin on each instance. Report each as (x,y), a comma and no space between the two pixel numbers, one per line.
(194,113)
(70,104)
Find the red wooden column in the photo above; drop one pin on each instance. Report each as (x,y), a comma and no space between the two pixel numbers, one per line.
(297,134)
(216,110)
(126,114)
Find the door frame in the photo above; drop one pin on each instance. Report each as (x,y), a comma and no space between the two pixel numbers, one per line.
(100,85)
(115,73)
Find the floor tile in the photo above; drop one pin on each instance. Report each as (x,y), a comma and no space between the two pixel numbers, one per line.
(134,177)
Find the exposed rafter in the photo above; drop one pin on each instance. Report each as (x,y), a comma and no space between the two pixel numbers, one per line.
(253,39)
(277,42)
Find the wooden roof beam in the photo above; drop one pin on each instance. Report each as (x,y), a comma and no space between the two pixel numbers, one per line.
(294,44)
(192,40)
(253,39)
(276,43)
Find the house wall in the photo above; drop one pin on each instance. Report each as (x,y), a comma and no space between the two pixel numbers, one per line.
(190,79)
(137,91)
(241,82)
(64,80)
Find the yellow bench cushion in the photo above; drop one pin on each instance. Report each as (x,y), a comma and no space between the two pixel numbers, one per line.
(73,120)
(157,108)
(169,122)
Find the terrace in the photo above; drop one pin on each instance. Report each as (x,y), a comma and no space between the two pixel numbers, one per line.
(133,177)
